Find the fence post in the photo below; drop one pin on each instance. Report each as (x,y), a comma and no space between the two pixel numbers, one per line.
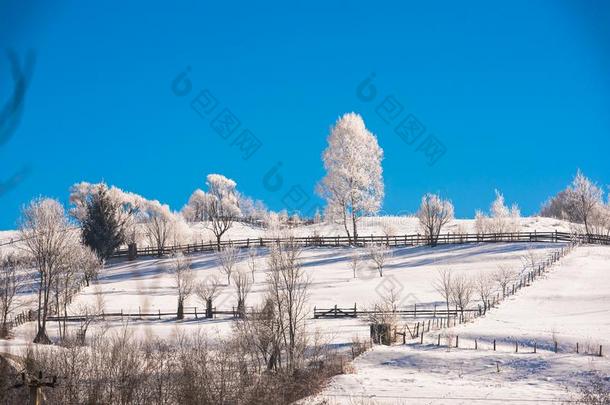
(555,346)
(494,345)
(456,340)
(600,350)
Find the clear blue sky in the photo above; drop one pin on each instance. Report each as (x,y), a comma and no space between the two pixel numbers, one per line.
(518,94)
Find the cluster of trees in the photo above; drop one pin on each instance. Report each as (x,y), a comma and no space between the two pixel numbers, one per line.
(501,218)
(582,202)
(61,261)
(190,369)
(460,291)
(13,281)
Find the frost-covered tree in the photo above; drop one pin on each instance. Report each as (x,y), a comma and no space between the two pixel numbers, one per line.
(444,285)
(207,290)
(45,231)
(587,196)
(581,202)
(462,292)
(221,204)
(227,258)
(433,214)
(158,224)
(12,283)
(243,285)
(353,185)
(501,219)
(180,269)
(194,210)
(379,253)
(599,221)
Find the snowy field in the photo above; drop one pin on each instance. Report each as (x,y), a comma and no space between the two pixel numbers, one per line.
(571,304)
(378,225)
(146,285)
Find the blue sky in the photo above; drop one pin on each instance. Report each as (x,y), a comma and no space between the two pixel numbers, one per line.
(518,94)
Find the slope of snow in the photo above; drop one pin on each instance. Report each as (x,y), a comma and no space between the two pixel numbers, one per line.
(572,304)
(145,285)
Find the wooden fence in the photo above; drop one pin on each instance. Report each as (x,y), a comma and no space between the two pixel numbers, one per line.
(440,319)
(354,312)
(362,240)
(157,315)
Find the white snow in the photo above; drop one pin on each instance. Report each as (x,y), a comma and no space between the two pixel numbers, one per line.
(571,304)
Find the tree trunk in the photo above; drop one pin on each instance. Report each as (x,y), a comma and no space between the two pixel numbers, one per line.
(42,337)
(180,312)
(355,232)
(208,308)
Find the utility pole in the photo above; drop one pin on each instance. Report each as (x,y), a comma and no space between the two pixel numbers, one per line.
(35,385)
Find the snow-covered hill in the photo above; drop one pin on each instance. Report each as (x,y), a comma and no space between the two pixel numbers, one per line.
(570,305)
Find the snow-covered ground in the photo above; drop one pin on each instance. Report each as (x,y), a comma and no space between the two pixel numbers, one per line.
(145,285)
(379,225)
(571,304)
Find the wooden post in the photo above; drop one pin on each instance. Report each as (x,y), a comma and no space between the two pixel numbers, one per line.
(555,346)
(576,347)
(600,350)
(476,346)
(535,347)
(421,342)
(516,347)
(159,313)
(439,340)
(457,339)
(494,345)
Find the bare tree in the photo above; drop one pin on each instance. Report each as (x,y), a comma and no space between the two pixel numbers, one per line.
(379,254)
(288,291)
(252,257)
(384,310)
(530,259)
(243,285)
(68,282)
(355,261)
(180,268)
(462,291)
(586,195)
(443,285)
(158,223)
(227,258)
(12,282)
(503,277)
(484,285)
(207,290)
(45,233)
(433,214)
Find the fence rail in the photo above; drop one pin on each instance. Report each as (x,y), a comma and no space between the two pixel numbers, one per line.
(395,241)
(193,311)
(354,312)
